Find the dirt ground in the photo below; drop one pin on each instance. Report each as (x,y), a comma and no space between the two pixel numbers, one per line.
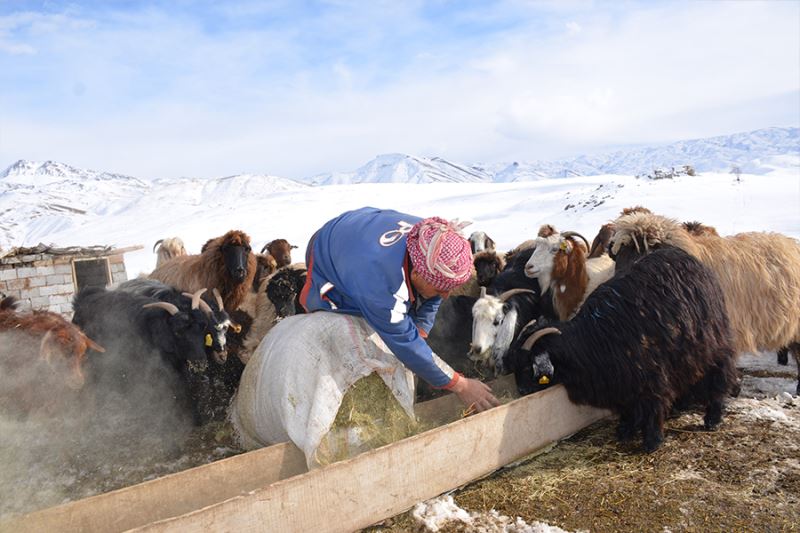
(743,477)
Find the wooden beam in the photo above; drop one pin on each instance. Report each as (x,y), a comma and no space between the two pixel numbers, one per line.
(167,496)
(375,485)
(204,486)
(195,488)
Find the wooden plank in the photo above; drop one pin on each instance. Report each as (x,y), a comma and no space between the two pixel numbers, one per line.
(381,483)
(215,482)
(167,496)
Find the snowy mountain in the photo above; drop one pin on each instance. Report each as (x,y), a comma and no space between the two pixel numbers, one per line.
(400,168)
(55,203)
(39,199)
(755,152)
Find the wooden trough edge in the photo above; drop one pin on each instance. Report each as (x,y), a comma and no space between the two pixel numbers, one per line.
(381,483)
(363,490)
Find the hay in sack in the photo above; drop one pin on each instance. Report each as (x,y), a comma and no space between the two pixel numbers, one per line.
(329,384)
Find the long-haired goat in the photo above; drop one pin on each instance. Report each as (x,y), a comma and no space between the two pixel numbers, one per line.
(639,343)
(147,340)
(560,264)
(167,249)
(218,319)
(281,250)
(226,263)
(58,343)
(759,274)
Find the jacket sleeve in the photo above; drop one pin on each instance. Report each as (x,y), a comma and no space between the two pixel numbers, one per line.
(403,339)
(425,314)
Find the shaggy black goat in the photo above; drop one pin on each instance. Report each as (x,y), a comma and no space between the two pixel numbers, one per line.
(146,340)
(218,319)
(639,343)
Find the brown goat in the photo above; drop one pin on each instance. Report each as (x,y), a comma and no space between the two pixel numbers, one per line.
(601,241)
(281,250)
(226,263)
(60,341)
(487,265)
(266,265)
(569,263)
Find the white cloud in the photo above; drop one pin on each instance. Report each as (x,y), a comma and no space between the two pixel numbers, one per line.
(573,27)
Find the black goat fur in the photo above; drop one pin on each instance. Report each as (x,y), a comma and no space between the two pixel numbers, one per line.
(639,343)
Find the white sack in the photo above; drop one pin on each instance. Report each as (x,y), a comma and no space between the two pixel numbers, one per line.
(293,385)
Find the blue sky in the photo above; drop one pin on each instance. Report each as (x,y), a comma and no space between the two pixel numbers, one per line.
(180,88)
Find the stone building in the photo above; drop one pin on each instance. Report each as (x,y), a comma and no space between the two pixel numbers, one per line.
(46,277)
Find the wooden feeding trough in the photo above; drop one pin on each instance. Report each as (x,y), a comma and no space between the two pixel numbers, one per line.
(270,489)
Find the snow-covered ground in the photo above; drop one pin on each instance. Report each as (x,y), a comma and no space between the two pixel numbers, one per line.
(509,213)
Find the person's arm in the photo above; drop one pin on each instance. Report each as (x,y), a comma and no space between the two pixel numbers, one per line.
(405,342)
(425,314)
(401,336)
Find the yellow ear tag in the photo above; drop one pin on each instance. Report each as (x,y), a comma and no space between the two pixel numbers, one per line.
(563,246)
(237,328)
(209,340)
(544,380)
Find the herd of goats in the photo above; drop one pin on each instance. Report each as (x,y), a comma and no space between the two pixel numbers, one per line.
(648,318)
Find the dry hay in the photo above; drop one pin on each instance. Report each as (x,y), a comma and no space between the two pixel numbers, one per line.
(745,476)
(368,417)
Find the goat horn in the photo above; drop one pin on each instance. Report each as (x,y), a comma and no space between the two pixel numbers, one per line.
(218,296)
(264,249)
(204,307)
(483,292)
(159,241)
(172,309)
(196,298)
(567,234)
(508,294)
(94,346)
(292,246)
(538,335)
(44,346)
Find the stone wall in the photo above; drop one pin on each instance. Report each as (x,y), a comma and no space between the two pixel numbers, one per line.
(47,282)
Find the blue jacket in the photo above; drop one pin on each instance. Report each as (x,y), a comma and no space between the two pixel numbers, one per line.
(358,265)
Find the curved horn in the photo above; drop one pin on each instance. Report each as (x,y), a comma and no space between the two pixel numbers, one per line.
(204,307)
(93,345)
(576,234)
(483,292)
(508,294)
(45,346)
(264,249)
(159,241)
(218,296)
(172,309)
(538,335)
(195,297)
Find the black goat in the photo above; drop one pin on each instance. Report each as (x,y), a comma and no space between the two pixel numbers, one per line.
(146,340)
(640,342)
(218,319)
(283,289)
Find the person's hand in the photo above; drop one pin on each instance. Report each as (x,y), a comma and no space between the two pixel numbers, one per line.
(476,395)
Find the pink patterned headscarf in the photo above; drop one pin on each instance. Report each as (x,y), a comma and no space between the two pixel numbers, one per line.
(439,252)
